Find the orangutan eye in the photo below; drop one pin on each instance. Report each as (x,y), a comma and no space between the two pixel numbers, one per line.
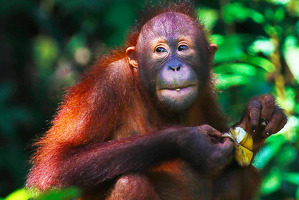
(183,47)
(160,49)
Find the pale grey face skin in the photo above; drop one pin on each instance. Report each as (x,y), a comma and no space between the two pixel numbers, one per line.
(169,57)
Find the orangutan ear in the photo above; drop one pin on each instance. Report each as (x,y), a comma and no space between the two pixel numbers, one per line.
(212,50)
(132,56)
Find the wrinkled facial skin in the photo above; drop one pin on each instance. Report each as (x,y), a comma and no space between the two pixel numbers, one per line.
(172,56)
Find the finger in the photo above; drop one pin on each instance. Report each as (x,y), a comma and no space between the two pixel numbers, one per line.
(255,107)
(214,133)
(208,130)
(215,136)
(268,104)
(282,122)
(273,123)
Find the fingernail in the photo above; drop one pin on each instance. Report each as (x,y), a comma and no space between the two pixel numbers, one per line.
(264,122)
(253,127)
(268,133)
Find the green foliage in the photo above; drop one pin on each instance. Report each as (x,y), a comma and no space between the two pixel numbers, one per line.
(237,12)
(20,194)
(62,194)
(291,52)
(208,17)
(45,44)
(65,194)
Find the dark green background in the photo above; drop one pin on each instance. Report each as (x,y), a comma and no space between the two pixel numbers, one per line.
(45,45)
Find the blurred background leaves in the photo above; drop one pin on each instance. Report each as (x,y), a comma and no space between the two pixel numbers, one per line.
(47,44)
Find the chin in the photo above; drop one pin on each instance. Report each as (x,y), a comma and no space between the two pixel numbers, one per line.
(177,100)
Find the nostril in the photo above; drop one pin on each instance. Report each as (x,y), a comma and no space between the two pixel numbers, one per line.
(173,69)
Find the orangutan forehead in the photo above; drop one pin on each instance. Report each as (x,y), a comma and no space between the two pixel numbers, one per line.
(170,25)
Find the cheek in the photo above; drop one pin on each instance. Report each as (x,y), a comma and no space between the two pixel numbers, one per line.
(148,72)
(148,79)
(204,76)
(202,71)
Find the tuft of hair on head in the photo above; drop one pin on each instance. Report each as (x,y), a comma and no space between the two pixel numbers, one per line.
(153,8)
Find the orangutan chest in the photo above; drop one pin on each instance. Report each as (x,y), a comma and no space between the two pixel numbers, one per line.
(176,180)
